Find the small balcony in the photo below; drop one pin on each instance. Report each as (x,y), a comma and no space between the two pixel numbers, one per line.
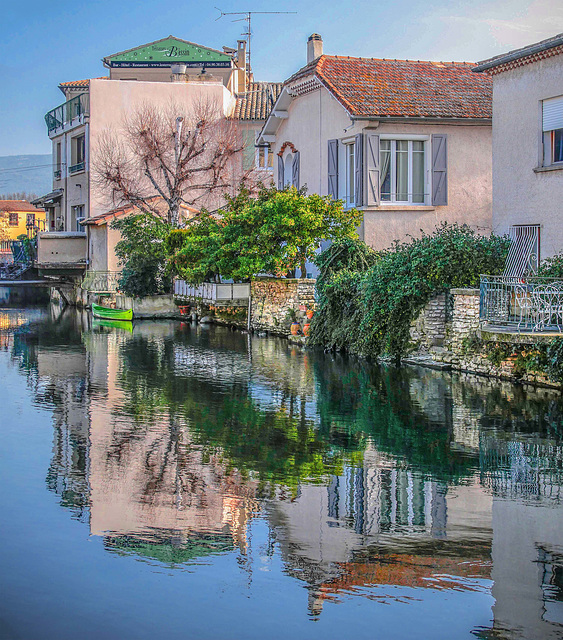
(76,168)
(521,305)
(61,253)
(70,113)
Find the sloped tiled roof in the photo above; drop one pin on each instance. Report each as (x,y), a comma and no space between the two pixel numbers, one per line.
(525,55)
(155,201)
(257,102)
(403,88)
(13,206)
(79,84)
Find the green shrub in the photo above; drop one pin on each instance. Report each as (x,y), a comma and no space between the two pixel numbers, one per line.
(370,311)
(552,267)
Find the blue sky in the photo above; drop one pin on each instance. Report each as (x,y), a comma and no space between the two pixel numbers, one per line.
(45,43)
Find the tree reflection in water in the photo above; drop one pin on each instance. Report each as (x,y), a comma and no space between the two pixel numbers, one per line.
(171,440)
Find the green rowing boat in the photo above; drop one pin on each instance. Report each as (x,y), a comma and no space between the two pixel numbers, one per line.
(111,314)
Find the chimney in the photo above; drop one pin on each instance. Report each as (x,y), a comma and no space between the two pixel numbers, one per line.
(314,47)
(241,64)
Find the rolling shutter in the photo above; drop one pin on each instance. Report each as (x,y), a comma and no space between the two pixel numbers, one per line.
(553,114)
(359,170)
(333,168)
(372,160)
(439,169)
(280,173)
(295,170)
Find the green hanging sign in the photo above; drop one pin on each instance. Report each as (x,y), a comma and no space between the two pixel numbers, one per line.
(169,51)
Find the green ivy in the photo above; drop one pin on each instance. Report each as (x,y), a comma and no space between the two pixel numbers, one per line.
(368,309)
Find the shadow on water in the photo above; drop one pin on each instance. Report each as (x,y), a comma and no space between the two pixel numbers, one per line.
(173,441)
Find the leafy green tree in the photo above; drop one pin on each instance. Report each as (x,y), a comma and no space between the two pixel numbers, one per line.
(143,252)
(275,232)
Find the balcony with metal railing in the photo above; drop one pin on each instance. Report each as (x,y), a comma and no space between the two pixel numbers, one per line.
(68,114)
(521,304)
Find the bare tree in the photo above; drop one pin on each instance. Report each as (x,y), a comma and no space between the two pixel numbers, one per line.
(176,155)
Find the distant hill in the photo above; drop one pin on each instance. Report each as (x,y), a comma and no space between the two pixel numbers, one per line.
(30,174)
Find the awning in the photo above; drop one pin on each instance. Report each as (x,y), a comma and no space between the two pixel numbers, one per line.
(49,198)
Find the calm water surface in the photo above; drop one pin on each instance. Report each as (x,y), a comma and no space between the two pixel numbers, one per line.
(162,480)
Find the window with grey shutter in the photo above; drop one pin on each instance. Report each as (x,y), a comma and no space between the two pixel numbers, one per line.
(359,169)
(333,168)
(372,160)
(439,169)
(280,173)
(295,170)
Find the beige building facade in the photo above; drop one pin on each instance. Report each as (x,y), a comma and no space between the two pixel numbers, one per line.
(528,144)
(161,74)
(407,142)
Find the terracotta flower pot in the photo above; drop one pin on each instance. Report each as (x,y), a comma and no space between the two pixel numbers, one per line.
(306,329)
(295,328)
(310,313)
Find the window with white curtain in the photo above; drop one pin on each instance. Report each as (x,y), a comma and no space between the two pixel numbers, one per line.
(403,171)
(552,121)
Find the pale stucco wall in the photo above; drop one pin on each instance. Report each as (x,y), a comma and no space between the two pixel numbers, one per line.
(112,100)
(317,117)
(61,248)
(521,196)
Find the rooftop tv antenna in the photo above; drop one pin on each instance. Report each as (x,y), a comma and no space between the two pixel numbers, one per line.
(247,18)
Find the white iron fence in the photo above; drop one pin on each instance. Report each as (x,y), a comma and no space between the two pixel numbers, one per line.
(213,292)
(526,304)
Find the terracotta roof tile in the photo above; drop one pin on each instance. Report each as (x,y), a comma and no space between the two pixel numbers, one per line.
(79,84)
(155,201)
(403,88)
(257,102)
(11,206)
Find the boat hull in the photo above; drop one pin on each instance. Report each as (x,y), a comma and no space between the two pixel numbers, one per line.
(111,314)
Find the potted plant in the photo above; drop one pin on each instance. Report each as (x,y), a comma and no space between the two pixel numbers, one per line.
(310,313)
(295,327)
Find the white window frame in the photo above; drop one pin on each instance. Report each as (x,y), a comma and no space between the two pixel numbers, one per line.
(548,136)
(263,154)
(427,168)
(78,214)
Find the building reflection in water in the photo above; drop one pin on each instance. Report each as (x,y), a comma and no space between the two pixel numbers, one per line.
(169,441)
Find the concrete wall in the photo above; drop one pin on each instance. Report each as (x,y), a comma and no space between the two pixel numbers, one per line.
(317,117)
(97,248)
(521,195)
(61,248)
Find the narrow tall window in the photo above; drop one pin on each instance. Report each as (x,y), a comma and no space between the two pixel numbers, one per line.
(403,171)
(350,176)
(77,154)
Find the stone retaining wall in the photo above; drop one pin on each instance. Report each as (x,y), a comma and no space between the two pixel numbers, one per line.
(461,348)
(272,298)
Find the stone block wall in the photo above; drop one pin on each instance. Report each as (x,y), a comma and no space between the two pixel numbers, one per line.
(429,329)
(461,349)
(272,298)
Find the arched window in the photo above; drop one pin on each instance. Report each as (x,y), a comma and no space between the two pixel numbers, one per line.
(288,170)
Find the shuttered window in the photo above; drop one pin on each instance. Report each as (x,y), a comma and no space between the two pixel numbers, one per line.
(553,114)
(333,169)
(552,124)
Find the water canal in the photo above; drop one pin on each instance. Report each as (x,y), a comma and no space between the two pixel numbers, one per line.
(164,480)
